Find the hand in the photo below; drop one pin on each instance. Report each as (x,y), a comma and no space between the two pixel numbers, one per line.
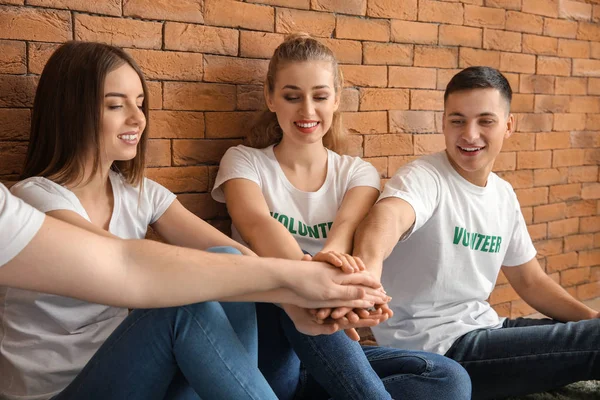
(346,262)
(306,323)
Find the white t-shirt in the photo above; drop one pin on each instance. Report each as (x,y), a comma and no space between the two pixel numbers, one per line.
(19,222)
(308,216)
(45,340)
(442,272)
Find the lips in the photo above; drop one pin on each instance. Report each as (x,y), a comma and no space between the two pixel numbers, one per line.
(306,126)
(129,137)
(470,150)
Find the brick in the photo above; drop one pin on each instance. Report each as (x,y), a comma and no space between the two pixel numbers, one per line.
(520,308)
(176,124)
(154,95)
(452,35)
(589,258)
(387,54)
(437,11)
(505,162)
(428,144)
(255,44)
(201,39)
(315,23)
(473,57)
(584,208)
(12,57)
(183,10)
(444,76)
(441,57)
(547,8)
(552,140)
(195,96)
(395,162)
(13,157)
(518,179)
(414,32)
(589,224)
(427,100)
(567,192)
(574,10)
(540,45)
(411,122)
(181,179)
(549,247)
(234,70)
(383,99)
(573,48)
(532,197)
(567,157)
(358,7)
(554,176)
(409,77)
(501,40)
(35,24)
(239,15)
(376,30)
(533,122)
(587,173)
(403,10)
(595,274)
(585,104)
(354,145)
(534,159)
(349,100)
(202,205)
(585,139)
(485,17)
(591,157)
(158,153)
(590,191)
(519,142)
(574,276)
(594,49)
(592,122)
(537,84)
(527,213)
(538,231)
(554,104)
(227,125)
(503,293)
(561,262)
(522,103)
(588,31)
(17,90)
(549,212)
(110,7)
(39,53)
(388,145)
(560,28)
(553,66)
(568,85)
(169,65)
(345,51)
(579,242)
(368,122)
(193,152)
(14,124)
(502,309)
(522,22)
(118,31)
(302,4)
(568,122)
(365,75)
(506,4)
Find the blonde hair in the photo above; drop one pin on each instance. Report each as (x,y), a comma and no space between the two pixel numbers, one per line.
(297,47)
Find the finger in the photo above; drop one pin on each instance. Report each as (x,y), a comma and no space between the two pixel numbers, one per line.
(306,257)
(350,260)
(352,317)
(362,313)
(323,313)
(340,312)
(359,262)
(363,278)
(352,334)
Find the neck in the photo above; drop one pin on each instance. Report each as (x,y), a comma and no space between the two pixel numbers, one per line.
(477,178)
(297,156)
(92,185)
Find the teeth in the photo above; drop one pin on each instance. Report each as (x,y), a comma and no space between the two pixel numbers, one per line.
(471,148)
(307,125)
(128,137)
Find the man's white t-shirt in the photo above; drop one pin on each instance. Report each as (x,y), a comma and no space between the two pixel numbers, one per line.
(19,222)
(442,272)
(308,216)
(45,340)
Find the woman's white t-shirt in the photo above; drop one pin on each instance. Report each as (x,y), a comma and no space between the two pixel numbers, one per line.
(45,340)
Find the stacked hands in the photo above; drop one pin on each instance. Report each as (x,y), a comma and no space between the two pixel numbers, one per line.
(330,320)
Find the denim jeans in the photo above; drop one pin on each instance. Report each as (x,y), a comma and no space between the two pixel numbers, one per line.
(204,350)
(333,366)
(529,356)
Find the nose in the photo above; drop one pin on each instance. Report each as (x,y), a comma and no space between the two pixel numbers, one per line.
(308,107)
(470,132)
(136,116)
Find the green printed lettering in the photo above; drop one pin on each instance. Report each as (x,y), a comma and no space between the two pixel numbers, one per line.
(493,244)
(473,239)
(329,225)
(498,244)
(275,215)
(323,231)
(313,231)
(465,240)
(486,243)
(457,234)
(480,237)
(302,231)
(284,218)
(291,227)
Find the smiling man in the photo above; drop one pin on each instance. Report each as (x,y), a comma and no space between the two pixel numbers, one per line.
(445,225)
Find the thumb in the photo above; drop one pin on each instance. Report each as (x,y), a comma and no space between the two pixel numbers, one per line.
(348,292)
(306,257)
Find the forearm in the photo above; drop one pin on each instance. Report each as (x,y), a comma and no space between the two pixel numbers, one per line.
(268,238)
(340,238)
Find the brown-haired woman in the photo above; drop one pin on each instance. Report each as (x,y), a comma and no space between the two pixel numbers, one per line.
(292,191)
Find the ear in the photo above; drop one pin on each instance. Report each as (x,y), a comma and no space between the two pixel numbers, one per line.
(268,97)
(338,100)
(510,126)
(443,121)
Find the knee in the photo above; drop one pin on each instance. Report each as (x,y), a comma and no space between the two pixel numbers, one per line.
(224,250)
(458,382)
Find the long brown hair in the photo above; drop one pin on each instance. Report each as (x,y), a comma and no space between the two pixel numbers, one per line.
(67,114)
(297,47)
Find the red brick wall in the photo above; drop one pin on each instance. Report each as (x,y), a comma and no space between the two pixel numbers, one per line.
(206,61)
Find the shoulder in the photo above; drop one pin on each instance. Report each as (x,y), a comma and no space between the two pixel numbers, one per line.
(431,165)
(38,186)
(351,163)
(244,152)
(502,188)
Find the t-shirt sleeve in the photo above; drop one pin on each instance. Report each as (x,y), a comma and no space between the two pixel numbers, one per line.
(44,195)
(364,174)
(160,198)
(238,162)
(419,187)
(19,222)
(520,248)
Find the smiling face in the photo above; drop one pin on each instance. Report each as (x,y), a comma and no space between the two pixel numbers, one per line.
(123,121)
(475,124)
(304,99)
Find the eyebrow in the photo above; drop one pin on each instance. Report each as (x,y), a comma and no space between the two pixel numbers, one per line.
(483,114)
(297,88)
(115,94)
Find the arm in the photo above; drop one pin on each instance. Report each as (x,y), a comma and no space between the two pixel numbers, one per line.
(65,260)
(545,295)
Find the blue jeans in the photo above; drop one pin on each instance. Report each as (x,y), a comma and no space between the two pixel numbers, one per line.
(336,367)
(529,356)
(204,350)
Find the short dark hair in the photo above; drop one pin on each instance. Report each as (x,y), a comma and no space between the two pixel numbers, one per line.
(479,78)
(67,114)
